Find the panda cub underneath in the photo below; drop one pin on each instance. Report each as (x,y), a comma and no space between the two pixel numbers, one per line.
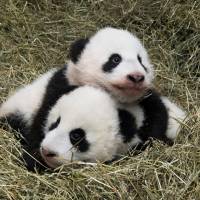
(60,123)
(64,122)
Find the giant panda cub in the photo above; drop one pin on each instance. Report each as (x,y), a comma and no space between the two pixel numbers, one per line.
(60,123)
(113,59)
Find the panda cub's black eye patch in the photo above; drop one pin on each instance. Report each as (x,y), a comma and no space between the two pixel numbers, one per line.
(112,62)
(55,124)
(78,139)
(140,61)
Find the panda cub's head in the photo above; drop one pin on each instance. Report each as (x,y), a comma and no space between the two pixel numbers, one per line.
(82,126)
(113,59)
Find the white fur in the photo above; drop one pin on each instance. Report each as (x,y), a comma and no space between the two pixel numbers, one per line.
(27,100)
(101,46)
(176,118)
(92,110)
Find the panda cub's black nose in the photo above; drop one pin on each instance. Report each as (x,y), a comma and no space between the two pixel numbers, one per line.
(135,78)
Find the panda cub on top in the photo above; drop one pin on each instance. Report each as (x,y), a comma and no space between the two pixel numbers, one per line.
(113,60)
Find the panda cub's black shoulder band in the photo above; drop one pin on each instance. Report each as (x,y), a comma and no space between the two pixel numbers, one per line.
(57,86)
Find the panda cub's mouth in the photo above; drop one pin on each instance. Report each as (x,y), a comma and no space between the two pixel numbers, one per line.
(134,90)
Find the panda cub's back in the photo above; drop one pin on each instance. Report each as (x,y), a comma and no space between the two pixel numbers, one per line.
(26,100)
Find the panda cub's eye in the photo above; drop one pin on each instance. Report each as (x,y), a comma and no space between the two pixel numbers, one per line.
(112,62)
(78,139)
(140,61)
(115,58)
(55,124)
(76,135)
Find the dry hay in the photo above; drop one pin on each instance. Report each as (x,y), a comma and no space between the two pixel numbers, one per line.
(35,36)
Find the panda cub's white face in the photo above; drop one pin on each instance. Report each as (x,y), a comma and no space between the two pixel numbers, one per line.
(82,126)
(115,60)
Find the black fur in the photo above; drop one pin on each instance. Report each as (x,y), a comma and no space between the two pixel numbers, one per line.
(32,160)
(127,125)
(156,119)
(57,86)
(154,125)
(140,61)
(17,123)
(111,64)
(78,139)
(77,48)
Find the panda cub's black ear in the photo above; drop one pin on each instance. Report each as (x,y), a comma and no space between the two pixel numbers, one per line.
(77,48)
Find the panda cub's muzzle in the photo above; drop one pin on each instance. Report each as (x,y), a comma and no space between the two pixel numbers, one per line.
(133,84)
